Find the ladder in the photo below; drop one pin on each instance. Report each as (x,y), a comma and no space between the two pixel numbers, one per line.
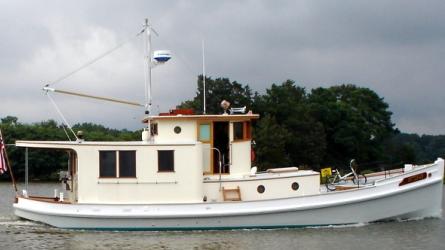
(231,194)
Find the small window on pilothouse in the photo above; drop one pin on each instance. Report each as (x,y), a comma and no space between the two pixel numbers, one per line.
(241,131)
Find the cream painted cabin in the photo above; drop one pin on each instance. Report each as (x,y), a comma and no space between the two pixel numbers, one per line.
(178,165)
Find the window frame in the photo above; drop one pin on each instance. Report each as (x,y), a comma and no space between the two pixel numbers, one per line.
(154,129)
(246,128)
(100,164)
(210,124)
(117,164)
(172,170)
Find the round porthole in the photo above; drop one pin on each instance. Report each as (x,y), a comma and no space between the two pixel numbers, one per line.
(260,189)
(177,129)
(295,186)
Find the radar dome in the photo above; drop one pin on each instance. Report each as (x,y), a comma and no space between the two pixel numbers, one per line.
(162,56)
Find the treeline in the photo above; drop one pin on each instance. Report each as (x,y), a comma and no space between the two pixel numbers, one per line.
(320,127)
(316,128)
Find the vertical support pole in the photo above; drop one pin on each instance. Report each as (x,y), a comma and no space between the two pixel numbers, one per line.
(26,169)
(203,78)
(148,101)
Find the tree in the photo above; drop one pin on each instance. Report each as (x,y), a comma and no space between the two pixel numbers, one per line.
(305,141)
(356,122)
(217,90)
(270,146)
(11,120)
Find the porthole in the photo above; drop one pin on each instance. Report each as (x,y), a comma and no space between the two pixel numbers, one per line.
(295,186)
(177,129)
(260,189)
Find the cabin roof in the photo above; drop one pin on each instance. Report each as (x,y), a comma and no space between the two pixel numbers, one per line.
(75,144)
(222,117)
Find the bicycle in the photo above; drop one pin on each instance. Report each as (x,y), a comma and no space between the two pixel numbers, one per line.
(337,178)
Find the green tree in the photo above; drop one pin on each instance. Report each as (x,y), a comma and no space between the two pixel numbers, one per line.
(217,90)
(11,120)
(270,146)
(305,141)
(356,122)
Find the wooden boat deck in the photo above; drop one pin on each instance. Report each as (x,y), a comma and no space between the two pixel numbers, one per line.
(46,199)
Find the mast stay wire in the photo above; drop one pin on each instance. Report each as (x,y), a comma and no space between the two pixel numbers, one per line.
(58,80)
(62,116)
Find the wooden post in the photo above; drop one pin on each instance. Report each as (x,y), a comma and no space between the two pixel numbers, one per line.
(8,163)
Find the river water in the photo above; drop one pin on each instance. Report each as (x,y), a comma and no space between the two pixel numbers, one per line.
(21,234)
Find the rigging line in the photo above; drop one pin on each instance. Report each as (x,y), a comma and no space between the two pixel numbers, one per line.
(61,115)
(66,133)
(96,59)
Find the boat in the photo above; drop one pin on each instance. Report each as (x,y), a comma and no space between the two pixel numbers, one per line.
(194,171)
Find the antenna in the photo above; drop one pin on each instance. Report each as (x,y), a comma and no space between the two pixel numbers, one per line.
(203,78)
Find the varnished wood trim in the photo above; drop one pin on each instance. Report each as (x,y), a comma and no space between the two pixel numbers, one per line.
(413,178)
(46,199)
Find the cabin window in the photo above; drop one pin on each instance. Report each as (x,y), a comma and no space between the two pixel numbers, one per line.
(109,167)
(177,129)
(295,186)
(260,189)
(238,130)
(241,131)
(166,161)
(107,162)
(153,128)
(204,132)
(127,164)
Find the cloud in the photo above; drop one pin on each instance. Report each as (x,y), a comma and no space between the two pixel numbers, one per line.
(395,48)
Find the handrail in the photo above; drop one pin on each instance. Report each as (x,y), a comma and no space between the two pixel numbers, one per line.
(219,161)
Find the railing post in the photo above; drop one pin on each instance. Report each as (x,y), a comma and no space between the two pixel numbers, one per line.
(26,169)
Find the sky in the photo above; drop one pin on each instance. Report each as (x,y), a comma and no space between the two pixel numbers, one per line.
(396,48)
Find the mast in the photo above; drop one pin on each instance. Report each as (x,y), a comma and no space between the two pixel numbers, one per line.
(152,60)
(203,78)
(148,100)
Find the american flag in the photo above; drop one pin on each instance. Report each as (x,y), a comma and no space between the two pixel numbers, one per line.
(3,166)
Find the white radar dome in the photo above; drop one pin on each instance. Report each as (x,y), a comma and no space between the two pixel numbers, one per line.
(162,56)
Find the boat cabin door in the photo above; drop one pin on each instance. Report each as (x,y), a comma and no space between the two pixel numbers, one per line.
(221,141)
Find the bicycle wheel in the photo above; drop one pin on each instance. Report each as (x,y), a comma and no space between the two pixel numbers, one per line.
(362,180)
(330,182)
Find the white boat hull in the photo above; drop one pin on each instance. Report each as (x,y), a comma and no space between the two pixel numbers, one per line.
(384,200)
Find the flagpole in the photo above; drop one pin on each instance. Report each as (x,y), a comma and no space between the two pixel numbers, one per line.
(8,163)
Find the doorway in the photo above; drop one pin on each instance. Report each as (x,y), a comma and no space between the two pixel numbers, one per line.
(221,142)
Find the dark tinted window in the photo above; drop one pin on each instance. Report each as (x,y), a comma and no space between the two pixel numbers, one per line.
(107,162)
(127,163)
(238,130)
(154,129)
(166,161)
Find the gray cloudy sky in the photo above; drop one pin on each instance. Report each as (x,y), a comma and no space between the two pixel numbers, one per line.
(396,48)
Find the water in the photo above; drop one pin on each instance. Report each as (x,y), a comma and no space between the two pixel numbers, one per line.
(20,234)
